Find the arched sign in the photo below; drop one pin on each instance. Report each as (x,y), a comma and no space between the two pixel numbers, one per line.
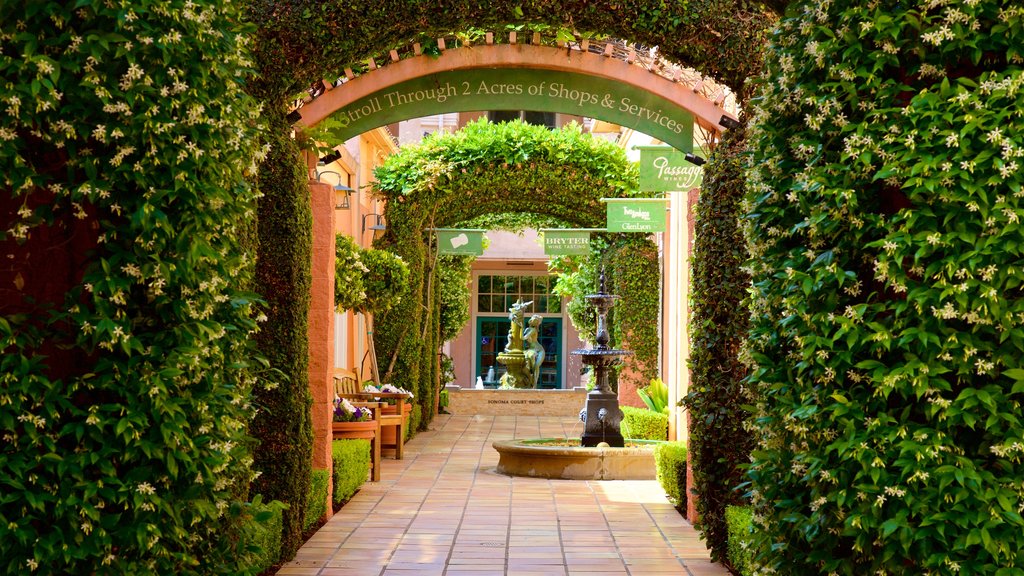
(518,77)
(520,89)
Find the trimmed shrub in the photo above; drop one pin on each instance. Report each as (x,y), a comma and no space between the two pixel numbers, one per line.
(670,461)
(351,459)
(263,532)
(316,501)
(885,201)
(643,424)
(739,521)
(415,418)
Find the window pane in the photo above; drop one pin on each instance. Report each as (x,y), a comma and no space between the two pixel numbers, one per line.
(503,115)
(497,303)
(554,305)
(526,285)
(484,284)
(483,303)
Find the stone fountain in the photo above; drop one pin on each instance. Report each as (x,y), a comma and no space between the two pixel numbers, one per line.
(602,416)
(602,454)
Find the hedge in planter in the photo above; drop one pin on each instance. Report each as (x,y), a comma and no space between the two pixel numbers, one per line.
(885,201)
(126,364)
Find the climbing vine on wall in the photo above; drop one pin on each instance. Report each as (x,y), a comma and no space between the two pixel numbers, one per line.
(719,442)
(888,335)
(126,363)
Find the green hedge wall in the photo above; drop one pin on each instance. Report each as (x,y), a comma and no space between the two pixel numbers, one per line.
(351,460)
(644,424)
(670,461)
(885,202)
(125,357)
(283,276)
(720,444)
(263,532)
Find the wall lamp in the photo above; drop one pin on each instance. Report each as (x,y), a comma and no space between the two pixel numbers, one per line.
(728,123)
(343,203)
(694,159)
(378,222)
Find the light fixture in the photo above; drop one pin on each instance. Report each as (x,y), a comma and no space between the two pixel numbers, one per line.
(694,159)
(343,203)
(378,222)
(729,123)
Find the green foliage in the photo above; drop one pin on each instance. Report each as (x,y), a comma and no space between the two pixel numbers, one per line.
(386,280)
(631,269)
(722,39)
(316,499)
(454,177)
(670,462)
(262,531)
(720,445)
(888,336)
(655,396)
(454,274)
(125,364)
(739,521)
(349,270)
(641,424)
(367,280)
(351,462)
(283,276)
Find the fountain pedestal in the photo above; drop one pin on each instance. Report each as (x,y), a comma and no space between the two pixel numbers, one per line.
(602,415)
(603,426)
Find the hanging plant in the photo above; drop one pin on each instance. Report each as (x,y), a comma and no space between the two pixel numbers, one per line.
(349,270)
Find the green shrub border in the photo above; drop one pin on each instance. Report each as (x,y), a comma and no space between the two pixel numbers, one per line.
(739,521)
(351,461)
(263,533)
(644,424)
(316,499)
(670,461)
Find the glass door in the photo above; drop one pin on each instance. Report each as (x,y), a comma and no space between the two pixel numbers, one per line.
(492,336)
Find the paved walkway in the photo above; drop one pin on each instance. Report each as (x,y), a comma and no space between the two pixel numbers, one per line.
(443,511)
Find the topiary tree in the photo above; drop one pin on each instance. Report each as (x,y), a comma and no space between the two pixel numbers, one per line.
(125,325)
(888,334)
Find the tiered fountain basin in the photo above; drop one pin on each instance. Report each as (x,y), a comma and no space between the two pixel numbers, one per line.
(545,458)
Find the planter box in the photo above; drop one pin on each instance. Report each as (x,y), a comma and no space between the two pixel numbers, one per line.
(354,430)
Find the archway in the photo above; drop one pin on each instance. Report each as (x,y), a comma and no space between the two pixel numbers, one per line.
(301,43)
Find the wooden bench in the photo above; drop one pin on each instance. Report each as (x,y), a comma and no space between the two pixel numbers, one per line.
(347,385)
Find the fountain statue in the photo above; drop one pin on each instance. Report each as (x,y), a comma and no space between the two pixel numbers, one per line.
(514,358)
(602,416)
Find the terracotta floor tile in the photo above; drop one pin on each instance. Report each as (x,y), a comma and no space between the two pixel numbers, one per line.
(443,511)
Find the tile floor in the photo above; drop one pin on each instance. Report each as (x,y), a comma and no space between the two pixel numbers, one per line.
(443,511)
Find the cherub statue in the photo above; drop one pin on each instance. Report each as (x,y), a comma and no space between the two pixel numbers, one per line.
(532,347)
(515,329)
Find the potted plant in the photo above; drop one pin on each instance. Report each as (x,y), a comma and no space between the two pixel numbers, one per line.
(393,397)
(351,421)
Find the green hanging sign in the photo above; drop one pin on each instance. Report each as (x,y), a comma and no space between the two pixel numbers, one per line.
(567,241)
(665,169)
(460,242)
(645,215)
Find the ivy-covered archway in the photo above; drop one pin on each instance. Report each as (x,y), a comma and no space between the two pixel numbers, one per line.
(451,179)
(300,42)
